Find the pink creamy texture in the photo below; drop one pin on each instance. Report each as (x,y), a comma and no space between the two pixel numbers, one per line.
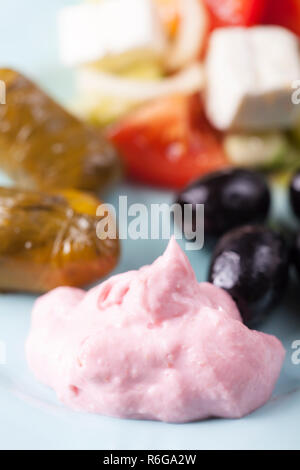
(152,344)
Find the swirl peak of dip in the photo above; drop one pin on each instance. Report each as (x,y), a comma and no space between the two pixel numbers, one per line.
(152,344)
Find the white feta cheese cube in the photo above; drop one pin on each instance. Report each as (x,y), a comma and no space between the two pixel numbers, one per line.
(249,77)
(92,32)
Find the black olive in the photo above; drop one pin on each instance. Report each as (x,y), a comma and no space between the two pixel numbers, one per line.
(231,198)
(295,193)
(252,264)
(296,253)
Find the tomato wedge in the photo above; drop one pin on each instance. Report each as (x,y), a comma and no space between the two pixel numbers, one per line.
(236,12)
(168,142)
(284,13)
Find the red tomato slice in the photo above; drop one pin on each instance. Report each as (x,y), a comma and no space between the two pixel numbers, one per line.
(284,13)
(168,142)
(236,12)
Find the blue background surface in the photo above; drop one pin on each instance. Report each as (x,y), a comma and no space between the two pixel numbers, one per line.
(30,415)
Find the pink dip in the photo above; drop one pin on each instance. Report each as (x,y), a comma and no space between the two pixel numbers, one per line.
(152,344)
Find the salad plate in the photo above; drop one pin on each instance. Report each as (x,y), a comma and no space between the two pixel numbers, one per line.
(30,415)
(32,418)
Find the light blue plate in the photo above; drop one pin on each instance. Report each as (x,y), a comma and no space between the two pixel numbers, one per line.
(30,415)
